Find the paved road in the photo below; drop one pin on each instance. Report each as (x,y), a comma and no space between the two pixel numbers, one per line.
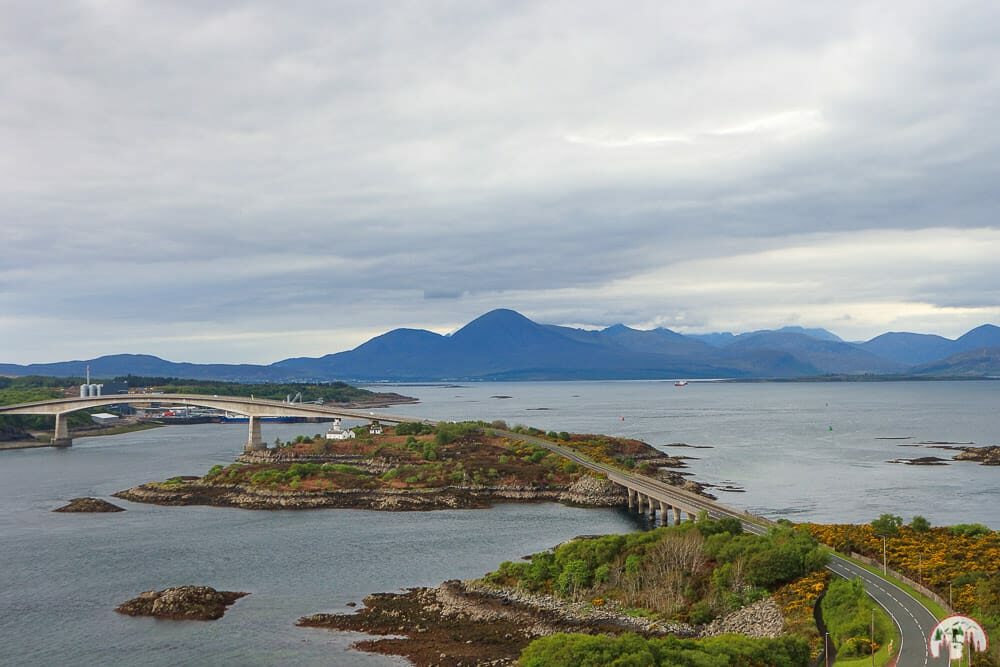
(914,621)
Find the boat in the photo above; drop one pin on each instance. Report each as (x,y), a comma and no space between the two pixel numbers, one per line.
(681,383)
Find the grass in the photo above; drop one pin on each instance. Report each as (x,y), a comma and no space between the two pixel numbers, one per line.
(882,656)
(937,610)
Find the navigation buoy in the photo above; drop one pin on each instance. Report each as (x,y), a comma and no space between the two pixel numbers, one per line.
(831,427)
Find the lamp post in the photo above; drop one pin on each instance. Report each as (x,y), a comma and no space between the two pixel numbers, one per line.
(871,646)
(826,648)
(885,560)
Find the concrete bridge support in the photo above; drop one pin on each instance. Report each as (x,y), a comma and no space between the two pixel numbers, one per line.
(664,513)
(677,515)
(254,442)
(631,499)
(61,437)
(692,517)
(651,506)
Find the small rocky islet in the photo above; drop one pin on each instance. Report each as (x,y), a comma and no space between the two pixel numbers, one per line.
(89,505)
(181,603)
(987,456)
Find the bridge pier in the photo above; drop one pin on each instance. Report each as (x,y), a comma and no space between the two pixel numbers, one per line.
(254,441)
(664,516)
(631,499)
(692,517)
(61,437)
(677,515)
(651,506)
(640,500)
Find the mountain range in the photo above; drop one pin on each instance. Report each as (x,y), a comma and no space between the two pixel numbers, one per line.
(505,345)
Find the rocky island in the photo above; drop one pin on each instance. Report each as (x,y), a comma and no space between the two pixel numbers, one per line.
(89,505)
(183,603)
(987,456)
(415,466)
(675,586)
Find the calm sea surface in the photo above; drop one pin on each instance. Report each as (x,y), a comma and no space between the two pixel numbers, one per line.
(802,451)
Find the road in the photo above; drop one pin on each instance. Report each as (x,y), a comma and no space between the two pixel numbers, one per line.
(911,617)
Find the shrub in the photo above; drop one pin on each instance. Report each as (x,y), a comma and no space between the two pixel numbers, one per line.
(887,525)
(969,529)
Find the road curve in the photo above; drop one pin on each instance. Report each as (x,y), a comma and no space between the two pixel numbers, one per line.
(914,620)
(911,617)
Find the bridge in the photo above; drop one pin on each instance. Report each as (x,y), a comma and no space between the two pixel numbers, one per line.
(252,408)
(648,495)
(645,494)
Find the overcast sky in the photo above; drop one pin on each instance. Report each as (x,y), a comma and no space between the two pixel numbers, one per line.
(249,181)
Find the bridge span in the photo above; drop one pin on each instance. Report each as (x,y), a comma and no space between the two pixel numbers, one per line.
(914,621)
(253,408)
(645,494)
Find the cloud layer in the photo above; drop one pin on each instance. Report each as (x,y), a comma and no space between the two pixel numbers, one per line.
(249,181)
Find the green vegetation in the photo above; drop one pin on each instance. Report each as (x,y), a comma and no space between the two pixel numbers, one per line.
(692,572)
(336,392)
(34,388)
(887,525)
(578,650)
(969,529)
(419,456)
(848,613)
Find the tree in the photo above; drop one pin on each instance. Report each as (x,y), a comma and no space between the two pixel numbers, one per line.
(919,524)
(574,577)
(887,525)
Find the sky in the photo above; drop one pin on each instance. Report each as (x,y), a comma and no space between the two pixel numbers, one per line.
(250,181)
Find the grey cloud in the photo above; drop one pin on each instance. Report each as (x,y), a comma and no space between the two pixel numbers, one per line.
(227,164)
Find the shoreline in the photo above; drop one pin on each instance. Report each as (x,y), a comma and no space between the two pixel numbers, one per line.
(88,433)
(586,492)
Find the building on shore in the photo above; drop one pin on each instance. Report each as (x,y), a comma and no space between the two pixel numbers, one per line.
(338,433)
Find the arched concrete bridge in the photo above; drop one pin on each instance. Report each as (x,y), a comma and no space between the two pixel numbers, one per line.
(254,408)
(645,493)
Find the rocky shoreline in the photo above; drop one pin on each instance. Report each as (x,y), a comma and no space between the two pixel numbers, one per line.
(588,491)
(987,456)
(472,623)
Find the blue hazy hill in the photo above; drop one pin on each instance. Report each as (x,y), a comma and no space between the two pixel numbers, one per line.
(504,344)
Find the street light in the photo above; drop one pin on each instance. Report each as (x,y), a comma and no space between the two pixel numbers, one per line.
(885,561)
(826,648)
(871,646)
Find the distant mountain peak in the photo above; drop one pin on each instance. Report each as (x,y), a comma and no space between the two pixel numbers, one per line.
(500,318)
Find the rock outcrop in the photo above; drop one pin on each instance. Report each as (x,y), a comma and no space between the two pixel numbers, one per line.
(595,492)
(760,619)
(89,505)
(470,623)
(185,603)
(588,490)
(987,456)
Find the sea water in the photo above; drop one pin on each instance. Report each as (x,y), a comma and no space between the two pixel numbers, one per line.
(806,451)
